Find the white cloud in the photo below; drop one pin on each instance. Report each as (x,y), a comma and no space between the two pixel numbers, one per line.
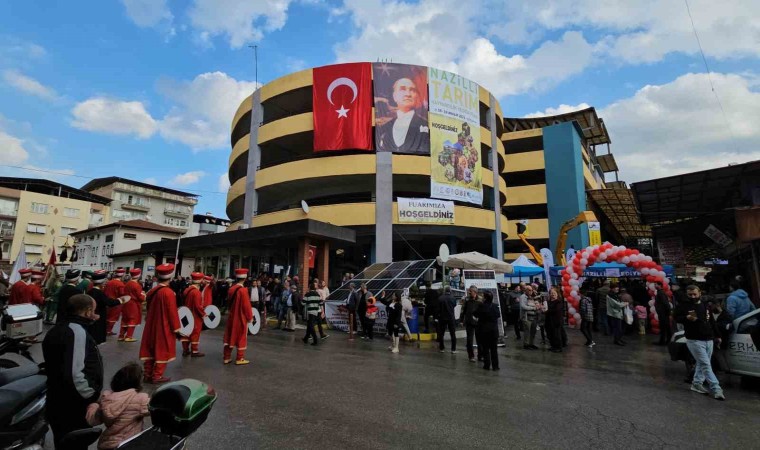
(148,13)
(641,31)
(13,149)
(150,180)
(444,34)
(561,109)
(28,85)
(17,152)
(224,182)
(14,51)
(112,116)
(200,116)
(187,178)
(204,108)
(242,22)
(678,127)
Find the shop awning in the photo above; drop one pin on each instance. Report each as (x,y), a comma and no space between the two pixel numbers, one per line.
(267,236)
(620,208)
(696,194)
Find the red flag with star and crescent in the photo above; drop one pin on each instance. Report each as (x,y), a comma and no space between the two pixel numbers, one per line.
(343,107)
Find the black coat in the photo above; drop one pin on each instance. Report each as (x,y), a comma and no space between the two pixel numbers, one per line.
(446,305)
(102,303)
(394,312)
(67,291)
(417,139)
(702,329)
(488,318)
(74,367)
(554,313)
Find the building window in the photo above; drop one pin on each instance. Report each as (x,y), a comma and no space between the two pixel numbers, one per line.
(94,252)
(127,215)
(6,227)
(65,231)
(5,248)
(8,207)
(133,199)
(39,208)
(71,212)
(175,222)
(109,238)
(34,249)
(130,236)
(36,228)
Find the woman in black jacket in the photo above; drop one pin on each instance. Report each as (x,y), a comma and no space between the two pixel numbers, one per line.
(554,315)
(488,331)
(394,312)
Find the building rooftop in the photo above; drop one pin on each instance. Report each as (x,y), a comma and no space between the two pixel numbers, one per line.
(49,187)
(594,130)
(205,218)
(101,182)
(135,225)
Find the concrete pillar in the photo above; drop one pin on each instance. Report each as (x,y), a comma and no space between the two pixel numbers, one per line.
(323,261)
(497,241)
(254,159)
(383,208)
(303,264)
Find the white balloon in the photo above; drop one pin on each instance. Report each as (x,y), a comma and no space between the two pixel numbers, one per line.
(596,247)
(576,316)
(573,281)
(584,262)
(575,294)
(622,247)
(644,271)
(661,274)
(666,280)
(651,302)
(571,310)
(652,310)
(648,258)
(574,276)
(570,271)
(626,260)
(602,256)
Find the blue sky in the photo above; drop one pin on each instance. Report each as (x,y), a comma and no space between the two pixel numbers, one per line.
(146,89)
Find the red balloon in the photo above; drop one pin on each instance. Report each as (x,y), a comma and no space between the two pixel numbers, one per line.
(571,321)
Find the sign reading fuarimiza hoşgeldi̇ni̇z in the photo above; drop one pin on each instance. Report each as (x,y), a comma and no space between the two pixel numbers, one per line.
(425,210)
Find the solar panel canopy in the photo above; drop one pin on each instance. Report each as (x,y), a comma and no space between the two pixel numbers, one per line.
(389,277)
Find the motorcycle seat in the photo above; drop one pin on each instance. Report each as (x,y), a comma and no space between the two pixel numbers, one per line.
(14,396)
(17,373)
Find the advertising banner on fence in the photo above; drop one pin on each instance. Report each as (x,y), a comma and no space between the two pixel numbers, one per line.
(425,210)
(401,108)
(336,314)
(455,172)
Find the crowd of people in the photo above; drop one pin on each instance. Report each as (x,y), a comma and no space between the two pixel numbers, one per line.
(85,306)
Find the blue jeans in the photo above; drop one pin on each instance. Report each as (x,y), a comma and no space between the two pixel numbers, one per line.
(702,352)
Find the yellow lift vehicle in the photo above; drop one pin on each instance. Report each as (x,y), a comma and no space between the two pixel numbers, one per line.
(559,252)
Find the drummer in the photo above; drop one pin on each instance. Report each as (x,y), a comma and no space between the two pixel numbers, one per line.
(194,302)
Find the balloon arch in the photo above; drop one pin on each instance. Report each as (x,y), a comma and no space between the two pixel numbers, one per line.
(650,271)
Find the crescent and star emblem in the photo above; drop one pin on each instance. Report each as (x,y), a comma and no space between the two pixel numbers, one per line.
(342,81)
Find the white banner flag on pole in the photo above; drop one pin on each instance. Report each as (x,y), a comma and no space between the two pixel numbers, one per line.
(18,265)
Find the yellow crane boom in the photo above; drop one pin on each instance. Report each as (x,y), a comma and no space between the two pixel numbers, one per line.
(531,249)
(583,217)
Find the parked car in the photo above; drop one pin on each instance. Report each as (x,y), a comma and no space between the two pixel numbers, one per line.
(742,355)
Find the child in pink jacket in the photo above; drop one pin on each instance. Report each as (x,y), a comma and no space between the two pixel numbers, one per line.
(641,318)
(121,410)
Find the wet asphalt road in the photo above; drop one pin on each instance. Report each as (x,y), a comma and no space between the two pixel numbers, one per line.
(344,394)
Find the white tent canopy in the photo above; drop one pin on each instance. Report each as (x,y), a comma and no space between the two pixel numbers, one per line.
(523,261)
(475,260)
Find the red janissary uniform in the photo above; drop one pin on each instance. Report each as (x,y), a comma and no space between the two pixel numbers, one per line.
(208,296)
(113,289)
(159,340)
(34,291)
(236,329)
(194,302)
(131,311)
(20,293)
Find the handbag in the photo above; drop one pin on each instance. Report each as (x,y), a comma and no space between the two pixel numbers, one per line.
(628,315)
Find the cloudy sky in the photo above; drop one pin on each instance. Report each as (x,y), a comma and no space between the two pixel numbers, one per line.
(146,89)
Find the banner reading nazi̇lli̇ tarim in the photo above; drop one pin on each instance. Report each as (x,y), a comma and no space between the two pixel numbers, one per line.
(425,210)
(455,172)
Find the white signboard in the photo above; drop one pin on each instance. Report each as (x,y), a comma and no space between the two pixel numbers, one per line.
(671,250)
(718,236)
(425,210)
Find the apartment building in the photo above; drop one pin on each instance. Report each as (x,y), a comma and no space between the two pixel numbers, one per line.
(135,200)
(39,216)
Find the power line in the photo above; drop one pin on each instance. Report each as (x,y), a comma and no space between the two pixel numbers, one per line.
(91,178)
(709,76)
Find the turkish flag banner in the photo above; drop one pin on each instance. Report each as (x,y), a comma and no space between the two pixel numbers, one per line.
(312,256)
(342,97)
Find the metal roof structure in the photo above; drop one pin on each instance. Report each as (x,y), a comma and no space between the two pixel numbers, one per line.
(48,187)
(107,181)
(620,208)
(695,194)
(592,126)
(389,277)
(607,163)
